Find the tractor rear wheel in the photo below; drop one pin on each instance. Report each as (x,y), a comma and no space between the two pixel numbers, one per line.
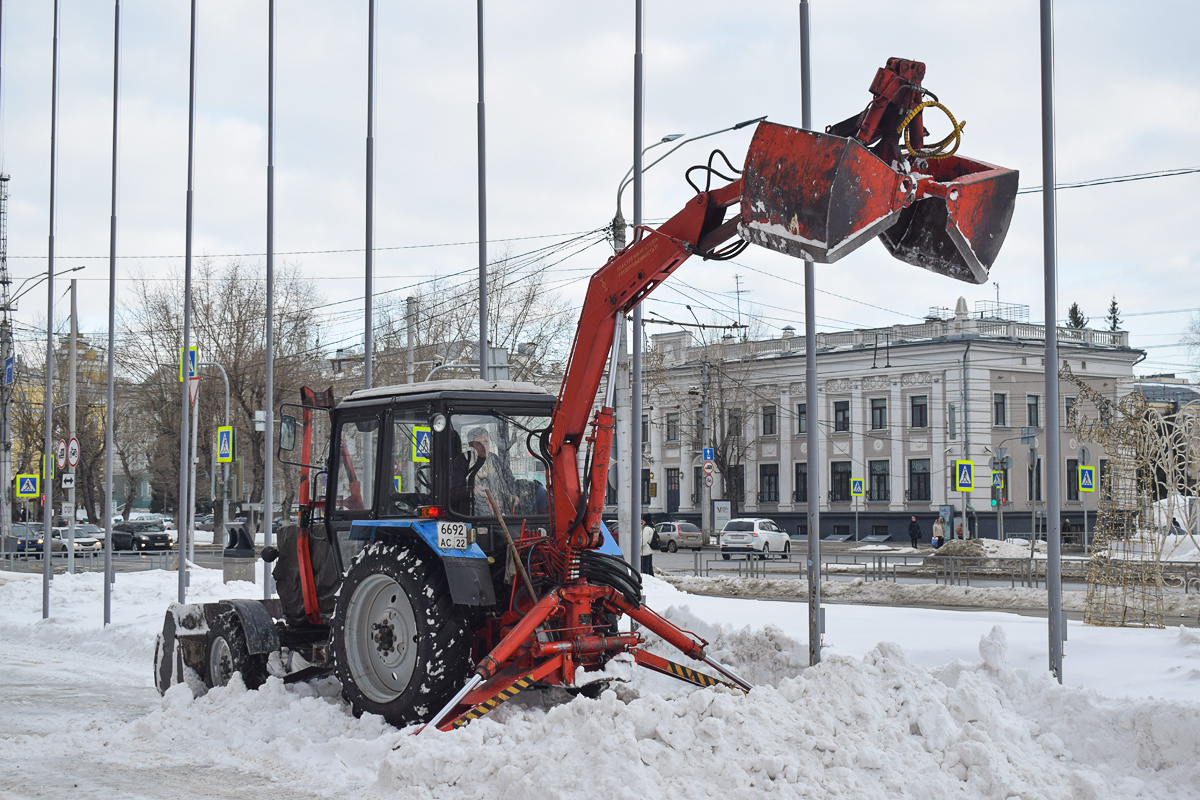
(401,648)
(227,653)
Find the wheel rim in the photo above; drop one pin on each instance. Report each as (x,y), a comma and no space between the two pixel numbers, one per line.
(672,546)
(220,662)
(380,632)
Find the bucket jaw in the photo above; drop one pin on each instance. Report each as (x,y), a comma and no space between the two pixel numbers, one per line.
(820,196)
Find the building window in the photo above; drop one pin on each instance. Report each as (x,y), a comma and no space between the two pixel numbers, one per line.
(878,490)
(1101,474)
(878,413)
(1035,483)
(1000,410)
(802,418)
(841,415)
(800,489)
(673,426)
(645,489)
(1031,407)
(880,530)
(735,422)
(919,417)
(841,530)
(645,428)
(768,483)
(839,483)
(1072,480)
(769,424)
(737,483)
(697,486)
(1069,404)
(918,480)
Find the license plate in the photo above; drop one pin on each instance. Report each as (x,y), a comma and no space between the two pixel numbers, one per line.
(452,535)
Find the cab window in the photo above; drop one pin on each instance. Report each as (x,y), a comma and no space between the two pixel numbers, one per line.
(358,444)
(408,480)
(490,452)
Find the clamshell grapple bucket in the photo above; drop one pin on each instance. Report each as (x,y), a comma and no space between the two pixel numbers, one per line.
(820,196)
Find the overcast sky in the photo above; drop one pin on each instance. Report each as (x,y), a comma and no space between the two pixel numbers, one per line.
(559,111)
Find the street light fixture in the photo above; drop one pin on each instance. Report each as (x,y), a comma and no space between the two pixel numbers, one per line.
(22,291)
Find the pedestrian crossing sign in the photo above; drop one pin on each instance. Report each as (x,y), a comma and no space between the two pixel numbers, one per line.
(1087,479)
(422,443)
(28,486)
(225,444)
(997,480)
(191,362)
(964,476)
(856,488)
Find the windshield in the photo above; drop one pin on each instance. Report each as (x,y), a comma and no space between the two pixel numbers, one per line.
(740,526)
(411,477)
(490,453)
(147,527)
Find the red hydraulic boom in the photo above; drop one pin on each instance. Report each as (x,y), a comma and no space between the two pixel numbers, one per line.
(811,195)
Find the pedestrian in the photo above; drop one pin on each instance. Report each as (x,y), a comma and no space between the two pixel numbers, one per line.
(939,532)
(914,532)
(648,547)
(958,532)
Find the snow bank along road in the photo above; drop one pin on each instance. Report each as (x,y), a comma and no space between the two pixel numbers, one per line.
(908,703)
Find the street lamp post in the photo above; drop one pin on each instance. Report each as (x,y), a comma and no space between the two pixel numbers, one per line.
(225,487)
(706,492)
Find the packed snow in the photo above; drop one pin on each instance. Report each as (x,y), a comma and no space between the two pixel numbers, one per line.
(907,703)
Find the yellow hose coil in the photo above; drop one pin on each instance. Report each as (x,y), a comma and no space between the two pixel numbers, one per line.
(937,150)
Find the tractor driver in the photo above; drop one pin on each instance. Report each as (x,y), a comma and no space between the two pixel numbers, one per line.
(493,472)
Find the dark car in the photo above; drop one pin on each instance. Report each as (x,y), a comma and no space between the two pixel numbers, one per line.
(140,534)
(24,540)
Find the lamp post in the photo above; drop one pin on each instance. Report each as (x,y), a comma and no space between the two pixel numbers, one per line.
(225,489)
(706,492)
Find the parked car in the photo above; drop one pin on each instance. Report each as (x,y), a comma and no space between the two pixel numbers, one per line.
(674,535)
(761,536)
(23,540)
(140,535)
(88,529)
(60,538)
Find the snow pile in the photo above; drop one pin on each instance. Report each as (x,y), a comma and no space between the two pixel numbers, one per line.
(879,727)
(984,548)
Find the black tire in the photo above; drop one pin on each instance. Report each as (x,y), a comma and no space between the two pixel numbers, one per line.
(787,551)
(766,552)
(225,653)
(419,653)
(725,556)
(672,546)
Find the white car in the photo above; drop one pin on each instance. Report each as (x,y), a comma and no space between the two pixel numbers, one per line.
(760,536)
(59,539)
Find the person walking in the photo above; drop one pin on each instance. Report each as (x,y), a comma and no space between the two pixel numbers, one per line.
(958,532)
(914,532)
(939,531)
(647,549)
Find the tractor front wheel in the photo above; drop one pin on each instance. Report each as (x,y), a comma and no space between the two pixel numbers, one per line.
(401,648)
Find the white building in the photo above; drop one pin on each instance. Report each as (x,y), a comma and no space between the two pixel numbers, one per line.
(898,406)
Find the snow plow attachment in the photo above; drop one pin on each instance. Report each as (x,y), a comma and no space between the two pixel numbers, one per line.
(820,196)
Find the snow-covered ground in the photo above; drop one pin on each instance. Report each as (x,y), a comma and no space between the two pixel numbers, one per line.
(908,703)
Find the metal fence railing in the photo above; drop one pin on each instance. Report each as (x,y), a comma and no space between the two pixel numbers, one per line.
(87,561)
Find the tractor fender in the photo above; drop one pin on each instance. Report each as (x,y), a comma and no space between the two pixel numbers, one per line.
(257,624)
(467,570)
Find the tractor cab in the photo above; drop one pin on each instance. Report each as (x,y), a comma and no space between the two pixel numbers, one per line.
(431,452)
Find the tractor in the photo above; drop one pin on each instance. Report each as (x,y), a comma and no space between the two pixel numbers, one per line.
(450,552)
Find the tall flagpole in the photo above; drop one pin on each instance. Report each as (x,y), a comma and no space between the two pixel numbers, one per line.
(185,359)
(269,432)
(368,310)
(112,318)
(48,455)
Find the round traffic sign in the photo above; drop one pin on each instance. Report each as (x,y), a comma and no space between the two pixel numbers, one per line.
(60,453)
(708,468)
(708,481)
(73,452)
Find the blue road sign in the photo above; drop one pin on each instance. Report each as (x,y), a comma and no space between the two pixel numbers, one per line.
(856,488)
(1087,479)
(422,446)
(225,444)
(191,373)
(28,486)
(997,480)
(8,371)
(708,454)
(964,476)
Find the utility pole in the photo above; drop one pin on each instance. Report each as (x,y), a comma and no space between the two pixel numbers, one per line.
(6,353)
(72,393)
(705,441)
(189,517)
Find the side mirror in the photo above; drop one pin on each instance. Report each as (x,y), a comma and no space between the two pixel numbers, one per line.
(287,433)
